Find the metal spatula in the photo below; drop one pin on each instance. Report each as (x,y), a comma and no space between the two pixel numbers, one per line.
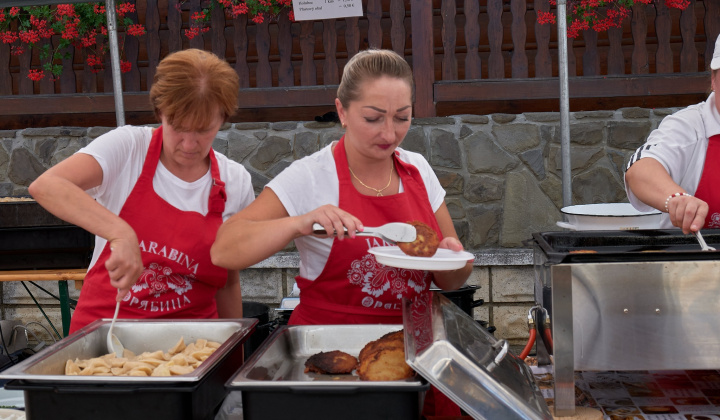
(390,232)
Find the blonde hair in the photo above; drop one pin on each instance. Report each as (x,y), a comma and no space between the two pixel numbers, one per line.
(191,86)
(370,65)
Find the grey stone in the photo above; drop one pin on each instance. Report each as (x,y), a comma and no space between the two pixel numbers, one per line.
(6,189)
(305,144)
(445,149)
(663,112)
(258,180)
(535,161)
(593,114)
(455,207)
(55,132)
(617,160)
(452,182)
(4,159)
(517,138)
(240,146)
(434,121)
(483,189)
(329,136)
(511,324)
(7,134)
(7,144)
(474,119)
(484,221)
(24,167)
(226,126)
(252,126)
(513,285)
(220,145)
(270,151)
(583,133)
(277,168)
(484,156)
(580,157)
(503,118)
(284,126)
(552,187)
(462,229)
(95,132)
(44,149)
(465,131)
(260,135)
(597,185)
(262,284)
(65,152)
(627,135)
(415,141)
(635,112)
(526,209)
(542,116)
(314,125)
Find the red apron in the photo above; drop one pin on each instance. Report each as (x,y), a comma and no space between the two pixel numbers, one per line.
(179,279)
(353,288)
(707,189)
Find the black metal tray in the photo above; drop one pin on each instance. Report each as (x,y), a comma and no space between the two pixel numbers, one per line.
(25,214)
(625,245)
(45,247)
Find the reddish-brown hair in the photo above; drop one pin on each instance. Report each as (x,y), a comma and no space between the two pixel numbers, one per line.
(191,86)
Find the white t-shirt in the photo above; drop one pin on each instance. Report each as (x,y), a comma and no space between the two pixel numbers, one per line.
(312,181)
(679,144)
(121,155)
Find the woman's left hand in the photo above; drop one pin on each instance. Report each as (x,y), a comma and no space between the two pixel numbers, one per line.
(453,244)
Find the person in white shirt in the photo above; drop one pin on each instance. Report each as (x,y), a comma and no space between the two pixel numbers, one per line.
(154,198)
(676,171)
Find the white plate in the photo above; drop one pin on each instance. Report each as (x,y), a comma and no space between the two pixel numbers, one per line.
(444,259)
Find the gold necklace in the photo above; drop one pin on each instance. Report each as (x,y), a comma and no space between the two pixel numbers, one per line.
(378,191)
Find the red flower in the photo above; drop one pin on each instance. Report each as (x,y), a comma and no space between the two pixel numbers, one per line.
(14,11)
(125,66)
(36,75)
(136,30)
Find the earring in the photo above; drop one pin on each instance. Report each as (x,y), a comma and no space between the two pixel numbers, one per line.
(343,125)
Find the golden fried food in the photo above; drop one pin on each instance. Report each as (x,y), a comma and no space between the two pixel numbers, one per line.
(332,362)
(425,244)
(384,359)
(583,251)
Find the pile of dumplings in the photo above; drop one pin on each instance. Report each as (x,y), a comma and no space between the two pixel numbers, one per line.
(179,360)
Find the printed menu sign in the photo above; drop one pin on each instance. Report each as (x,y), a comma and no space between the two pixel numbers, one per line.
(326,9)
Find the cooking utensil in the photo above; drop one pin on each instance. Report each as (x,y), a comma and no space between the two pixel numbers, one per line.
(113,343)
(609,216)
(702,242)
(389,232)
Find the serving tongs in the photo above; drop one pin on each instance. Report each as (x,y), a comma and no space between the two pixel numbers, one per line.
(389,232)
(702,242)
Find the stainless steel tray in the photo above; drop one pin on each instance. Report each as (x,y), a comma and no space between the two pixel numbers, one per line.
(280,361)
(477,371)
(137,336)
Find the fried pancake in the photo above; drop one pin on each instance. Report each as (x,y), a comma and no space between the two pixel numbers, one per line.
(386,364)
(384,359)
(332,362)
(425,244)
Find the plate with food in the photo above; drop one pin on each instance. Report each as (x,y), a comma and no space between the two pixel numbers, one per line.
(443,259)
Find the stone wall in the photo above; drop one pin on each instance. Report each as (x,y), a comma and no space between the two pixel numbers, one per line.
(502,174)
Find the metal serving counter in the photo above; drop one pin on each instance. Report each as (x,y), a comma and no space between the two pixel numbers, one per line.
(632,300)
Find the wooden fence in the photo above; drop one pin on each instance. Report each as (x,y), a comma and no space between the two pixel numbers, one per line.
(468,56)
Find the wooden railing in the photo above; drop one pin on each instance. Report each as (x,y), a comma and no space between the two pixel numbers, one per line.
(468,56)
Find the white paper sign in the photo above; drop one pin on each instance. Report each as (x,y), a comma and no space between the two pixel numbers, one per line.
(326,9)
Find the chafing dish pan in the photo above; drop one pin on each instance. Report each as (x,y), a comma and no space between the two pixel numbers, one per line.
(274,385)
(51,394)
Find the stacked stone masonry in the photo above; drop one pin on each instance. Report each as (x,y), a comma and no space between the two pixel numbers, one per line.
(502,175)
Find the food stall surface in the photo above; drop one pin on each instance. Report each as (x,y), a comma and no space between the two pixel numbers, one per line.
(642,395)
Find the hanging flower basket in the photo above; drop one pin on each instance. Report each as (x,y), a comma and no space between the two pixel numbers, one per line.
(257,10)
(599,15)
(82,25)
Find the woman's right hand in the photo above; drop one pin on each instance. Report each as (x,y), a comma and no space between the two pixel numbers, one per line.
(687,212)
(333,219)
(124,265)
